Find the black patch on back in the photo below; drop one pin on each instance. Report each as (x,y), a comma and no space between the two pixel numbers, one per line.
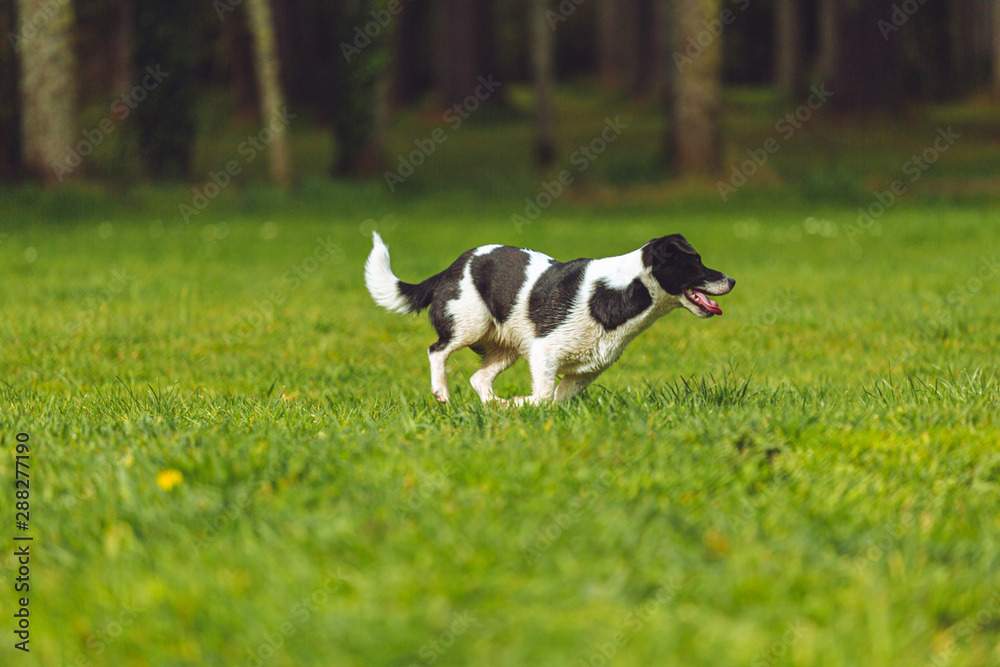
(614,307)
(444,289)
(498,276)
(553,294)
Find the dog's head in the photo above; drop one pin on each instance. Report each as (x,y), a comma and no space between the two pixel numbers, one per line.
(677,268)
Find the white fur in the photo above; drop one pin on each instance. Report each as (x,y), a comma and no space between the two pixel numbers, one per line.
(379,279)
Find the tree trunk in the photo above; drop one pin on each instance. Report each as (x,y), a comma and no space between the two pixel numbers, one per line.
(410,44)
(787,50)
(241,67)
(272,98)
(48,114)
(465,47)
(665,78)
(10,117)
(962,40)
(643,76)
(618,44)
(995,58)
(356,103)
(828,14)
(541,51)
(122,67)
(867,74)
(698,101)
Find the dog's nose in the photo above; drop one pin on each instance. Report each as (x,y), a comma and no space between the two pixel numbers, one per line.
(732,282)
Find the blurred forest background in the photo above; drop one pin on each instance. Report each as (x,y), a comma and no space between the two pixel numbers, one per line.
(145,87)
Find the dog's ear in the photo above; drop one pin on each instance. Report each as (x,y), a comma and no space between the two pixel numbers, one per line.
(678,241)
(664,249)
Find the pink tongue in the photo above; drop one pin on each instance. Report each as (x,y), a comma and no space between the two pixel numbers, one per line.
(709,305)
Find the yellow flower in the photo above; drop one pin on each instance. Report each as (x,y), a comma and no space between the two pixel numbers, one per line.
(168,479)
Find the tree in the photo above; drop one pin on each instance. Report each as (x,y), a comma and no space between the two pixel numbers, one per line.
(48,94)
(10,117)
(698,93)
(617,43)
(123,43)
(787,49)
(867,71)
(665,73)
(355,104)
(168,50)
(995,51)
(411,73)
(241,67)
(827,14)
(465,47)
(272,98)
(541,48)
(962,19)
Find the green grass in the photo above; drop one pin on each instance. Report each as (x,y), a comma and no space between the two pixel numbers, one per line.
(811,479)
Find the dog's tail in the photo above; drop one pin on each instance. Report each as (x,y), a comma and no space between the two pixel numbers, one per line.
(389,291)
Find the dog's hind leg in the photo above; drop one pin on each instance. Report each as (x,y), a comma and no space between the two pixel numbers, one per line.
(573,385)
(438,354)
(495,361)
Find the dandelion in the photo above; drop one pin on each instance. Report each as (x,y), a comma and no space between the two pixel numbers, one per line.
(168,479)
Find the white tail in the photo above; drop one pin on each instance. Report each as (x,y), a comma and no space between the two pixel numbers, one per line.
(381,283)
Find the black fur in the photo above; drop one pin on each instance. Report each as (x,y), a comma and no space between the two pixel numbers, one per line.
(676,265)
(498,276)
(614,307)
(436,292)
(553,294)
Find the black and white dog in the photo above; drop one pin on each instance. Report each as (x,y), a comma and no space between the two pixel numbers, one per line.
(572,319)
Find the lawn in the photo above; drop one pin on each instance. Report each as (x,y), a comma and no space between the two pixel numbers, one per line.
(235,457)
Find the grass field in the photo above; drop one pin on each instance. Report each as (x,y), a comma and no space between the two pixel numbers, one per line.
(236,458)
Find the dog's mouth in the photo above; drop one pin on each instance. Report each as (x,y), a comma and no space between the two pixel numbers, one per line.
(701,300)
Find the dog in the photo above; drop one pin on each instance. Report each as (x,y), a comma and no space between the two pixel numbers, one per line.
(572,319)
